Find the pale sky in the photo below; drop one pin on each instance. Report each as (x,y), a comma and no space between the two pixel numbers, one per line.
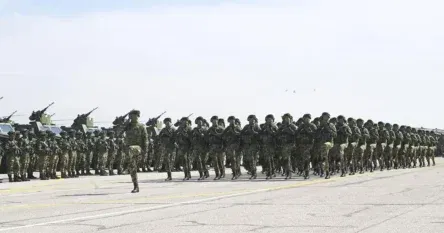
(378,59)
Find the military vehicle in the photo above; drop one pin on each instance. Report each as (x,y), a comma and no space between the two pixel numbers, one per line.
(83,122)
(39,117)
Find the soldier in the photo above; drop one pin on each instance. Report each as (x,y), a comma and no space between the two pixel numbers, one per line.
(269,140)
(286,135)
(251,140)
(72,154)
(25,147)
(305,139)
(102,148)
(12,151)
(120,155)
(81,154)
(43,152)
(89,144)
(95,155)
(112,151)
(53,158)
(216,147)
(397,144)
(199,146)
(361,147)
(341,143)
(372,144)
(422,148)
(388,151)
(63,157)
(32,155)
(415,147)
(406,146)
(231,137)
(183,140)
(325,134)
(136,144)
(168,146)
(384,136)
(433,143)
(351,149)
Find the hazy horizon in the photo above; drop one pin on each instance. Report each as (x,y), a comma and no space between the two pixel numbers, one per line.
(379,60)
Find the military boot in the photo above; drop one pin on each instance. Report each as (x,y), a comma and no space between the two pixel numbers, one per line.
(169,177)
(201,176)
(88,172)
(185,176)
(287,175)
(31,176)
(24,177)
(189,175)
(119,172)
(217,175)
(43,176)
(307,175)
(10,178)
(207,174)
(17,178)
(343,173)
(222,174)
(136,188)
(103,173)
(55,176)
(327,175)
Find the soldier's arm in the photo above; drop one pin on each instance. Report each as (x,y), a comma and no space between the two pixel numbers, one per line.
(348,130)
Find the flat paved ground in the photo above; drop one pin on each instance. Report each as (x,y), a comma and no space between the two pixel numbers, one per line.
(410,200)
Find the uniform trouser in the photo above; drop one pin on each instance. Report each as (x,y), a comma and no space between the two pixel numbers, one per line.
(337,157)
(167,154)
(110,161)
(432,154)
(88,160)
(369,156)
(351,161)
(287,149)
(184,159)
(408,155)
(323,150)
(1,158)
(396,156)
(43,161)
(64,159)
(101,161)
(420,155)
(251,156)
(218,158)
(378,156)
(305,152)
(269,163)
(13,163)
(24,164)
(415,150)
(358,157)
(315,159)
(233,154)
(143,161)
(201,156)
(296,159)
(80,161)
(120,160)
(132,156)
(72,160)
(52,164)
(388,156)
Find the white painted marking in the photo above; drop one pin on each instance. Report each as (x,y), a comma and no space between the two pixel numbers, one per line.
(134,210)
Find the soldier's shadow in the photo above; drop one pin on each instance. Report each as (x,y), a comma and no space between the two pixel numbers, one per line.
(87,194)
(210,180)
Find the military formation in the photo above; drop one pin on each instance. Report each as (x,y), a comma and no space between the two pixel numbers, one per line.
(324,145)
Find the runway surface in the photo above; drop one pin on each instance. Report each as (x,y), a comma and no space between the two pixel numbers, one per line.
(405,200)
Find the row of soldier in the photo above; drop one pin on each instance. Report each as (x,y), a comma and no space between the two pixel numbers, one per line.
(328,145)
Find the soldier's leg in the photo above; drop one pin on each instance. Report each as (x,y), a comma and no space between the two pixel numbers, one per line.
(324,151)
(286,157)
(306,156)
(432,156)
(10,166)
(342,160)
(428,153)
(230,157)
(133,154)
(24,166)
(214,159)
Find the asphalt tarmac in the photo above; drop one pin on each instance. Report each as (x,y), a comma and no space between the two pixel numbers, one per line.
(405,200)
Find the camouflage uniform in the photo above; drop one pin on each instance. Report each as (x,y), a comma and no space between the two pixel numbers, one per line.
(350,151)
(433,147)
(12,152)
(136,144)
(358,156)
(305,139)
(251,140)
(406,147)
(372,145)
(81,154)
(287,135)
(340,144)
(167,146)
(25,147)
(120,155)
(415,148)
(216,147)
(325,134)
(112,151)
(397,147)
(32,155)
(231,137)
(89,143)
(182,138)
(63,157)
(53,159)
(102,148)
(388,151)
(72,155)
(199,146)
(269,140)
(43,152)
(378,157)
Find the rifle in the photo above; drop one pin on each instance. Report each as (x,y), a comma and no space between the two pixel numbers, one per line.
(120,120)
(6,119)
(153,121)
(1,98)
(88,113)
(178,121)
